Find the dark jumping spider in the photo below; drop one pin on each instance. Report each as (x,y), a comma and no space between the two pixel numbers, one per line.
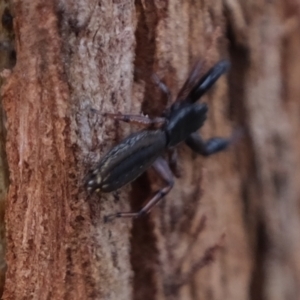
(135,154)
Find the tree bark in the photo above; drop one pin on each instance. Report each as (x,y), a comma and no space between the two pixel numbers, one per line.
(228,228)
(7,61)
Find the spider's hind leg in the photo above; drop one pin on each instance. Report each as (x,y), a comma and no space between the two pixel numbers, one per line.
(163,170)
(173,162)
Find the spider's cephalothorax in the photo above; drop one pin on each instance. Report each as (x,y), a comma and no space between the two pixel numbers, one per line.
(135,154)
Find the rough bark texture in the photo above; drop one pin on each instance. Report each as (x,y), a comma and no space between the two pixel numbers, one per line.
(7,61)
(229,228)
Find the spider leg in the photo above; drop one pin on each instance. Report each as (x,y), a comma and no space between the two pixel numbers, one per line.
(211,146)
(162,168)
(137,119)
(208,80)
(173,162)
(163,87)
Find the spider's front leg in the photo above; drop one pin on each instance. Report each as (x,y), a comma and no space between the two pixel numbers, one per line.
(162,168)
(208,80)
(211,146)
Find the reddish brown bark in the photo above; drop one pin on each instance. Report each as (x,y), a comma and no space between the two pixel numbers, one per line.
(54,237)
(228,229)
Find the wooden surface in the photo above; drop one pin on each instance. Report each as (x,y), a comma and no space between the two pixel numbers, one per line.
(229,228)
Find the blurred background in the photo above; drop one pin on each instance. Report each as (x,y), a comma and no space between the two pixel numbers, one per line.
(249,196)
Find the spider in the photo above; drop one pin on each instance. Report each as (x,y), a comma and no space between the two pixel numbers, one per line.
(141,150)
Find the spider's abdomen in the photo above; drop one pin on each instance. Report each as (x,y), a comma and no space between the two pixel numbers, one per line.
(185,121)
(126,161)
